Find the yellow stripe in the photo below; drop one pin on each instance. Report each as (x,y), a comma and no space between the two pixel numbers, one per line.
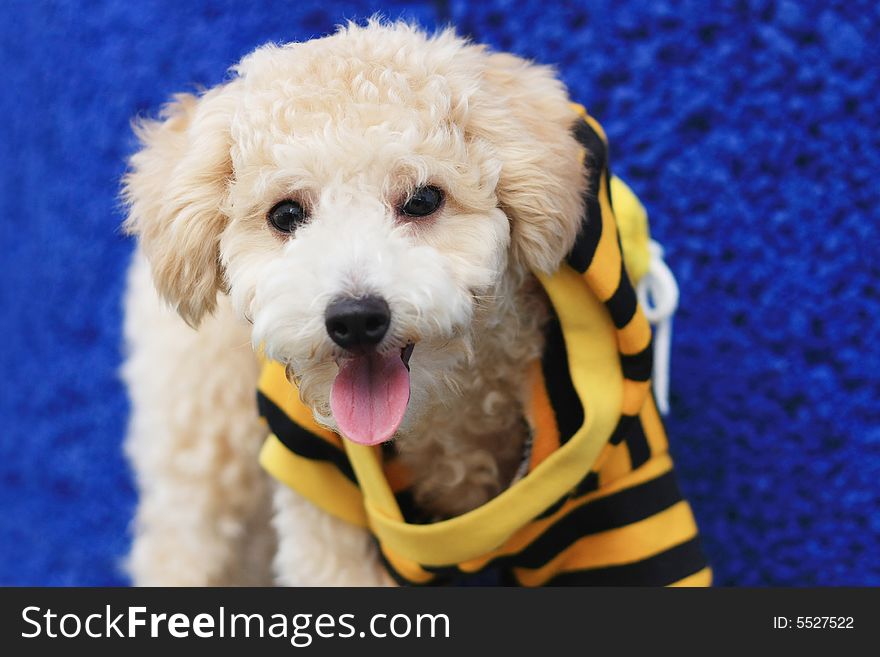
(635,336)
(579,109)
(618,465)
(594,124)
(658,465)
(406,568)
(379,498)
(632,225)
(634,393)
(274,384)
(541,418)
(604,455)
(700,578)
(636,542)
(318,481)
(653,426)
(603,273)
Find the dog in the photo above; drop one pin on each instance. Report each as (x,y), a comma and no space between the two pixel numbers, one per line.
(369,228)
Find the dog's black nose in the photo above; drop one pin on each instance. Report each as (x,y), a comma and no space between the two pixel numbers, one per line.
(357,323)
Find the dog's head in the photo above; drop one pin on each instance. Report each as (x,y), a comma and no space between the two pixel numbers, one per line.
(357,196)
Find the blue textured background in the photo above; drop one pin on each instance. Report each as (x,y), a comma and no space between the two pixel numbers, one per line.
(750,130)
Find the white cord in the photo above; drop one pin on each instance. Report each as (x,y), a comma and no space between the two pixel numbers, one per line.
(658,296)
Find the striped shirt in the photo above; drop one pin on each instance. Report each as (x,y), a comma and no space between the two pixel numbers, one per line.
(598,503)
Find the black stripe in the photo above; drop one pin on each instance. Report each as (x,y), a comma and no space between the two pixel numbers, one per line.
(660,570)
(596,161)
(623,429)
(396,576)
(614,511)
(410,510)
(449,575)
(637,444)
(299,440)
(608,183)
(588,484)
(484,577)
(637,367)
(581,255)
(389,450)
(622,304)
(553,508)
(446,572)
(596,157)
(453,576)
(563,397)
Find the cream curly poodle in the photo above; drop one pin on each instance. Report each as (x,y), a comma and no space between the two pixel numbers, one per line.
(372,210)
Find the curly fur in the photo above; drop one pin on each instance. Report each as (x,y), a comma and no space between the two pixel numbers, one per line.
(348,125)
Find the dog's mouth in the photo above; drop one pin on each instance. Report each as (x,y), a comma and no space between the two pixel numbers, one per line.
(370,395)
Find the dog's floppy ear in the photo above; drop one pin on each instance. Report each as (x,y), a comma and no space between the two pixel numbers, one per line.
(528,119)
(174,190)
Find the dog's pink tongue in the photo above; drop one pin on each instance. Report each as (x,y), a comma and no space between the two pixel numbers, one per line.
(369,397)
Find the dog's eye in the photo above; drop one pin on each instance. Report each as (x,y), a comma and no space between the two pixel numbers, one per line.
(424,201)
(287,216)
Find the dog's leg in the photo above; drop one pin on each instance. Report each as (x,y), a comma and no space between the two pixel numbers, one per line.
(204,510)
(317,549)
